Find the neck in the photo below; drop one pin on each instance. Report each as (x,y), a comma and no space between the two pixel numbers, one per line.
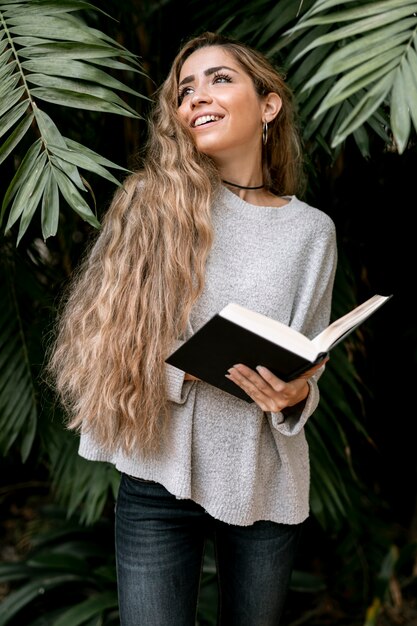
(226,182)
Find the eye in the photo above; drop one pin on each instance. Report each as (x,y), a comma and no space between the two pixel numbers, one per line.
(185,91)
(221,78)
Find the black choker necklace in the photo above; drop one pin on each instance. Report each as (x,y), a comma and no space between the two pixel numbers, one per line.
(241,186)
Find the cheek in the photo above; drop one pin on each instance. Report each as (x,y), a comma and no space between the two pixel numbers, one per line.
(243,106)
(183,116)
(181,113)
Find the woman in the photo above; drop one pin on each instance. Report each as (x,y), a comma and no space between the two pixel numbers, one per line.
(211,218)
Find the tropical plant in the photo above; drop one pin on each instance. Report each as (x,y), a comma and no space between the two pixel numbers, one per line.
(363,65)
(50,55)
(65,557)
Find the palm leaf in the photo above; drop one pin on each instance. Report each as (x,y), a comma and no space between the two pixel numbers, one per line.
(15,137)
(82,486)
(21,174)
(49,54)
(50,208)
(89,608)
(18,404)
(376,48)
(365,108)
(68,561)
(18,600)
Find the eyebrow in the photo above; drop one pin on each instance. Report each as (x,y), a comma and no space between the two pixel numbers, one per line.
(207,72)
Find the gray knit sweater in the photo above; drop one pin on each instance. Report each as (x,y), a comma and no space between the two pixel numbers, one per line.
(240,464)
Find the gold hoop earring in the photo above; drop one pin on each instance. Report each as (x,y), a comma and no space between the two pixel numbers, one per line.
(265,133)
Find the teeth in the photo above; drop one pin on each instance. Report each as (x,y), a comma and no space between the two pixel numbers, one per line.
(206,118)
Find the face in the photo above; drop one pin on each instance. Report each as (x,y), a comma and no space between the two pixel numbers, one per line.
(219,104)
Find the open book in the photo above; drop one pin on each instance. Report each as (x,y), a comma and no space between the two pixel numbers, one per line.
(238,335)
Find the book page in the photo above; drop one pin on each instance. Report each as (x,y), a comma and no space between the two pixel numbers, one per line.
(334,333)
(270,329)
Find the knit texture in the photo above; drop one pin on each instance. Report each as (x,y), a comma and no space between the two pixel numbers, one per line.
(239,463)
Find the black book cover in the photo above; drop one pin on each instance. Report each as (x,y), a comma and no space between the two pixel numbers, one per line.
(220,344)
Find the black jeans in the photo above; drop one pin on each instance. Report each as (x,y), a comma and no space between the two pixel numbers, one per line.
(159,550)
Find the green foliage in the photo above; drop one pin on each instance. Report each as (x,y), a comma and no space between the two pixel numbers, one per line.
(18,398)
(363,63)
(68,561)
(96,483)
(50,55)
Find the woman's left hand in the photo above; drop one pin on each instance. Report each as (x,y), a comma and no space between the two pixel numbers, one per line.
(268,391)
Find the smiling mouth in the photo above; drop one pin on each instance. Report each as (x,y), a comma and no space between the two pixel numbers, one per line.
(205,119)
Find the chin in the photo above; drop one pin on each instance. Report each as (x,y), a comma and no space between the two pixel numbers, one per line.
(205,148)
(208,146)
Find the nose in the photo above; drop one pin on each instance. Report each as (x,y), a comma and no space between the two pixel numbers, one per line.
(200,96)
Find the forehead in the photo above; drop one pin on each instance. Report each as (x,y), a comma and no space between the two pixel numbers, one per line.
(210,56)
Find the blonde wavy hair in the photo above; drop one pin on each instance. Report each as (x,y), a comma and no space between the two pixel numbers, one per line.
(132,294)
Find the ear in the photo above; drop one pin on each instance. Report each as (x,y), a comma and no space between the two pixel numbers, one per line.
(271,106)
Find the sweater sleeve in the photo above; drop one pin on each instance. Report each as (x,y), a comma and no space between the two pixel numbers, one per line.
(313,299)
(292,422)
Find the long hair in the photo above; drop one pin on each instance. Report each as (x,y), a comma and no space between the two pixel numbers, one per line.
(131,296)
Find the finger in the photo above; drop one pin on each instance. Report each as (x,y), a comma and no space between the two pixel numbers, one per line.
(251,391)
(274,381)
(256,388)
(243,369)
(248,377)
